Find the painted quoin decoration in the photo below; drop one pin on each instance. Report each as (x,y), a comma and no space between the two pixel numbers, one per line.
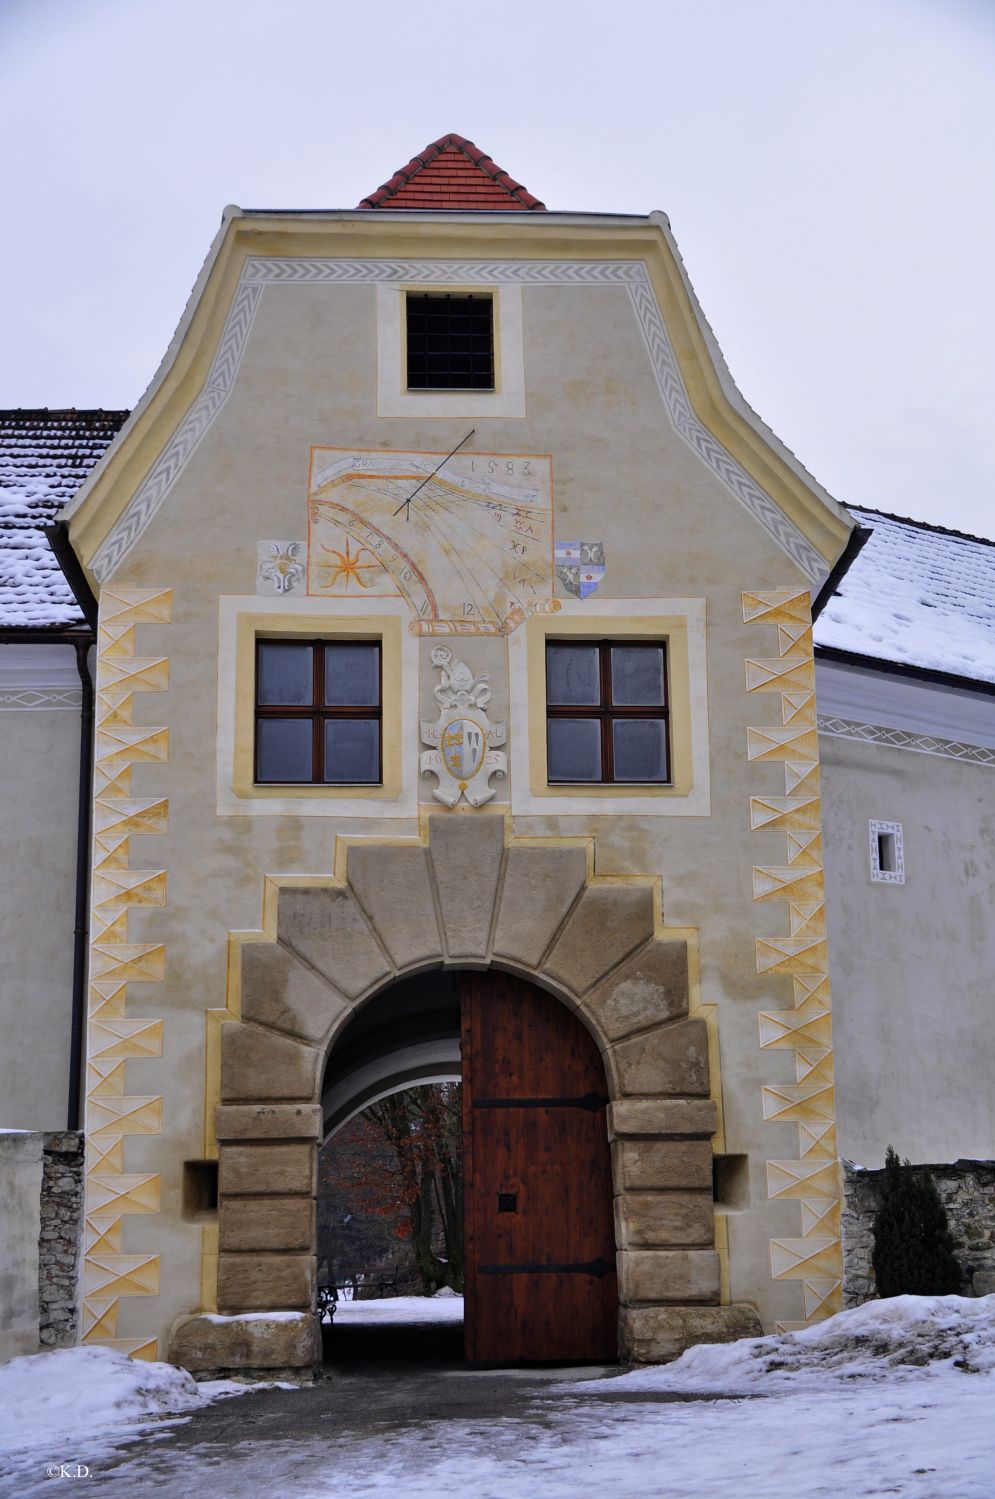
(462,736)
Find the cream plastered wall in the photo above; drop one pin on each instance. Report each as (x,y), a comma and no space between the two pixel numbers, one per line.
(677,546)
(39,781)
(912,962)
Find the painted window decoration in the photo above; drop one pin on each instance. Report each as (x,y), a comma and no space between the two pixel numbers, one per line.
(318,712)
(450,341)
(887,852)
(606,712)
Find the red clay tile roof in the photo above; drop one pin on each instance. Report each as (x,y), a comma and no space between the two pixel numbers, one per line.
(452,173)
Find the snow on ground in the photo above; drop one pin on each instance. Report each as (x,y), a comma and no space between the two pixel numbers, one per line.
(70,1396)
(903,1336)
(400,1309)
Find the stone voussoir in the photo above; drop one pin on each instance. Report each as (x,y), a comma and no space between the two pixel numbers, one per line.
(258,1065)
(393,884)
(540,886)
(649,988)
(670,1059)
(280,991)
(466,854)
(326,926)
(607,923)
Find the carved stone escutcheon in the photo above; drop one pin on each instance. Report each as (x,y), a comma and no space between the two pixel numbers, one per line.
(463,757)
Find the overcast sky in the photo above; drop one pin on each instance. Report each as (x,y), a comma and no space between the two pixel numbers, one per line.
(827,169)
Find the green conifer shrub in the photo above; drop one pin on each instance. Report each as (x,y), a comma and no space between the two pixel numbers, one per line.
(913,1249)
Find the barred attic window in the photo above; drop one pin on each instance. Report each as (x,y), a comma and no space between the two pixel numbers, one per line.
(450,341)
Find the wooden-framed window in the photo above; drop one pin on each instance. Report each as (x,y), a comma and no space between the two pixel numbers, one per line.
(450,341)
(607,712)
(318,712)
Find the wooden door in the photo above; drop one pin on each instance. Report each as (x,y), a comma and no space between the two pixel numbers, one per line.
(539,1231)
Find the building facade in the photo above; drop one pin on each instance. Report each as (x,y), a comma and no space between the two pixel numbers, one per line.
(454,614)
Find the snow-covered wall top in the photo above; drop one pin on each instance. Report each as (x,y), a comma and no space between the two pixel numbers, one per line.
(44,458)
(919,596)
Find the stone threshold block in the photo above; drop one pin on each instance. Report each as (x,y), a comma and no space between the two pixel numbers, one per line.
(263,1342)
(659,1334)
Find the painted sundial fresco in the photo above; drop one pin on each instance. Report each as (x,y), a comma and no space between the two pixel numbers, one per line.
(471,552)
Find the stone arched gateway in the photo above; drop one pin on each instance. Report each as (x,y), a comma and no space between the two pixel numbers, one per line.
(467,896)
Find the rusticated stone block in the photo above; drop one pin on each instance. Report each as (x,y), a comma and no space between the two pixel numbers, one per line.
(659,1219)
(607,923)
(269,1121)
(210,1342)
(650,987)
(394,886)
(279,991)
(270,1169)
(668,1275)
(673,1164)
(261,1223)
(540,886)
(261,1065)
(673,1059)
(661,1116)
(266,1282)
(658,1334)
(328,928)
(466,854)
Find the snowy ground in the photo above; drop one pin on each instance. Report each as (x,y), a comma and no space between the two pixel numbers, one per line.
(400,1310)
(895,1398)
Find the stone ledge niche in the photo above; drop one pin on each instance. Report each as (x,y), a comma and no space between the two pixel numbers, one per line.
(263,1345)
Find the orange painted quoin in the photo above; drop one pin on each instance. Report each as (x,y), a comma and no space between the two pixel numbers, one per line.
(453,173)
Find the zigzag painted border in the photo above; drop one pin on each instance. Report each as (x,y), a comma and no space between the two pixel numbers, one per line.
(904,739)
(815,1258)
(112,1036)
(259,272)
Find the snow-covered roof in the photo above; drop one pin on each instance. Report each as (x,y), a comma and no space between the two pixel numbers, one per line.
(44,458)
(917,596)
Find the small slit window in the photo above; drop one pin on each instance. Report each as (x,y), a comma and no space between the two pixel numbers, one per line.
(318,712)
(607,715)
(450,341)
(887,852)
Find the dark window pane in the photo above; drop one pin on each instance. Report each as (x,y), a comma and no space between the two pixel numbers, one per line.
(639,746)
(352,675)
(286,674)
(352,749)
(284,749)
(637,676)
(450,342)
(573,675)
(574,749)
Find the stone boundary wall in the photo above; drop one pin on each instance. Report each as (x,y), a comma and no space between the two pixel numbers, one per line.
(60,1239)
(967,1191)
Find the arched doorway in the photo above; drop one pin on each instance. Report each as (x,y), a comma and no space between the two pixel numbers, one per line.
(539,1239)
(463,895)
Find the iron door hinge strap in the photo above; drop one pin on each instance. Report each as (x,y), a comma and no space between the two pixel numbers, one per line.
(592,1102)
(599,1268)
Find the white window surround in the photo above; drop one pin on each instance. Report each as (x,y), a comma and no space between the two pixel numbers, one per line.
(568,800)
(892,831)
(261,804)
(394,399)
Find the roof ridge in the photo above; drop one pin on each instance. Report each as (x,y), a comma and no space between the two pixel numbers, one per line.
(923,525)
(434,149)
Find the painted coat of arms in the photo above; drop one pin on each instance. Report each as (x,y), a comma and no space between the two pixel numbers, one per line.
(462,757)
(580,566)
